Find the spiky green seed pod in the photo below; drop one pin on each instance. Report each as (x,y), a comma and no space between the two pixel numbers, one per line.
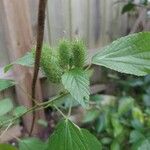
(50,64)
(65,53)
(79,53)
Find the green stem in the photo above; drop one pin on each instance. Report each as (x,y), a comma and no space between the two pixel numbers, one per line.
(36,107)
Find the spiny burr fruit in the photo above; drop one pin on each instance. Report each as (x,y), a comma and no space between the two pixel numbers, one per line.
(65,53)
(50,64)
(79,53)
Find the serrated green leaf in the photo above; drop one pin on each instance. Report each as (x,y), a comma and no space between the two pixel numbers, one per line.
(4,84)
(6,106)
(68,136)
(27,60)
(129,54)
(77,83)
(125,104)
(31,144)
(7,147)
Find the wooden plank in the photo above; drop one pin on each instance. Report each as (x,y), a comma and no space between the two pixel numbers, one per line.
(33,14)
(79,11)
(94,23)
(118,21)
(19,40)
(4,58)
(97,22)
(56,20)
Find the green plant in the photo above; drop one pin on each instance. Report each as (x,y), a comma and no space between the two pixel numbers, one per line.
(7,109)
(66,64)
(132,5)
(121,122)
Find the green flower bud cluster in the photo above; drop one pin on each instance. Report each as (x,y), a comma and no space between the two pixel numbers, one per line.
(56,61)
(79,53)
(72,54)
(65,54)
(50,64)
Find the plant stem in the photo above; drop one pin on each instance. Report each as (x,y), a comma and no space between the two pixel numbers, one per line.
(40,36)
(36,107)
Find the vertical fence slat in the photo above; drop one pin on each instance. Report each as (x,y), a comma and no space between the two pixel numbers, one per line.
(19,40)
(56,20)
(79,19)
(4,58)
(94,23)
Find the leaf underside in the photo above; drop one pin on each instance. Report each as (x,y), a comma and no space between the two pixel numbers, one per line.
(4,84)
(130,54)
(77,83)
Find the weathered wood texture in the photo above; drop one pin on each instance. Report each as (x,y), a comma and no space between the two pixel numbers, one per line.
(18,38)
(95,21)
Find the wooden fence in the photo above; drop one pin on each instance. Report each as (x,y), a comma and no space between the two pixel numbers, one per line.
(97,22)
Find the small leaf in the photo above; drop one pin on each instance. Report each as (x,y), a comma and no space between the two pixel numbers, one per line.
(101,123)
(31,144)
(3,120)
(68,136)
(6,106)
(115,145)
(128,7)
(4,84)
(19,110)
(138,114)
(7,147)
(77,83)
(7,67)
(129,54)
(125,104)
(91,115)
(27,60)
(135,136)
(106,140)
(42,122)
(118,128)
(136,124)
